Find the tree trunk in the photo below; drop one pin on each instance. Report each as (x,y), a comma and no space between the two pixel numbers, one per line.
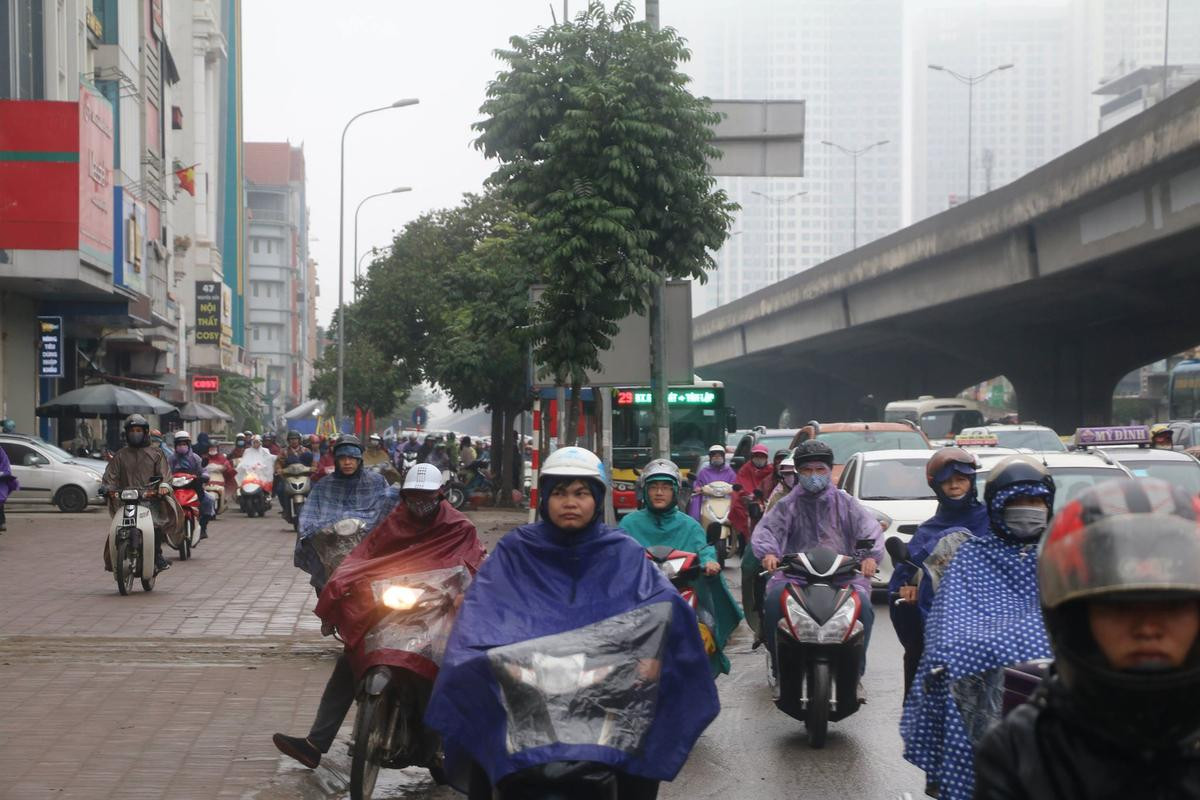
(571,434)
(508,475)
(497,444)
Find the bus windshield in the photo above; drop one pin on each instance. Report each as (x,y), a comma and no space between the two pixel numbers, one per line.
(694,428)
(947,422)
(1184,390)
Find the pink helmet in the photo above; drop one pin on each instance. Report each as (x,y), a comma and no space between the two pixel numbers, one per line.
(760,449)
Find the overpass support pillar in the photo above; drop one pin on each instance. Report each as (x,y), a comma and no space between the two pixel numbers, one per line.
(1065,385)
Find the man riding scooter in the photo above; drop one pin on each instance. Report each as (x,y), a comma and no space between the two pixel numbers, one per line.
(184,460)
(132,467)
(816,514)
(375,452)
(294,453)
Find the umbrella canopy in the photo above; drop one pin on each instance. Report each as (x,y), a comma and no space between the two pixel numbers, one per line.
(203,412)
(104,399)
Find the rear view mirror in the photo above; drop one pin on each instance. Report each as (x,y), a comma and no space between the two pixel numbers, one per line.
(897,548)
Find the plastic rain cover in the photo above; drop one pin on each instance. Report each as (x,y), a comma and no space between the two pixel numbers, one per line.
(424,628)
(333,543)
(595,685)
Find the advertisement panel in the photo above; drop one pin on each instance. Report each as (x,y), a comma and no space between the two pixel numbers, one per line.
(226,314)
(132,230)
(95,178)
(50,347)
(208,312)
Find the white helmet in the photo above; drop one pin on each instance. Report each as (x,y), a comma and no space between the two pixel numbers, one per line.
(423,478)
(573,462)
(183,436)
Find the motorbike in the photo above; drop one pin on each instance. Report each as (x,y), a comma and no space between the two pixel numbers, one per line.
(397,662)
(189,501)
(453,489)
(131,538)
(214,487)
(254,492)
(681,569)
(478,483)
(331,544)
(715,504)
(297,484)
(819,644)
(408,461)
(389,473)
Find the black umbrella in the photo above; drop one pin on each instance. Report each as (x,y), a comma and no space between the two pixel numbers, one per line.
(104,399)
(203,411)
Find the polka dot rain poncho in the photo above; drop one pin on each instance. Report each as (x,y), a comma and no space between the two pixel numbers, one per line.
(986,616)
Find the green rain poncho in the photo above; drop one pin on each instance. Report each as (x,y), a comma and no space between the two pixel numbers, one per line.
(676,529)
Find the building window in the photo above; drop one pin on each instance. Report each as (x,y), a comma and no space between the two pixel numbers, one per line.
(255,329)
(254,287)
(254,244)
(270,245)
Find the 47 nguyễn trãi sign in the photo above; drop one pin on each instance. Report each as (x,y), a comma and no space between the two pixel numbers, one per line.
(50,347)
(208,312)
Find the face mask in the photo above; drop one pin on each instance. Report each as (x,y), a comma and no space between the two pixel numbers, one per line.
(759,463)
(136,439)
(241,442)
(814,484)
(1026,522)
(422,509)
(788,479)
(717,462)
(181,449)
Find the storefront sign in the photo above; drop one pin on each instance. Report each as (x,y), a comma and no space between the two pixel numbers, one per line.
(206,383)
(208,312)
(50,347)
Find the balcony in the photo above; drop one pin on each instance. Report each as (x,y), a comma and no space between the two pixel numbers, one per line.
(266,215)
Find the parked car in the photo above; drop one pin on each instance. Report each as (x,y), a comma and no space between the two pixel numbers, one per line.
(50,475)
(891,483)
(1171,466)
(1073,473)
(1037,438)
(773,438)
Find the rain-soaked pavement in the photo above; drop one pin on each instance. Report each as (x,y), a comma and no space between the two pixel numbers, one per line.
(175,694)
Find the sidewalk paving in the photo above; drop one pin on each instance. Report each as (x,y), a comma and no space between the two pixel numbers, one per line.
(172,693)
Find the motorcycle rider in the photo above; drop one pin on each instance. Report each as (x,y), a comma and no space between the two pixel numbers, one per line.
(268,441)
(586,572)
(950,473)
(756,479)
(350,493)
(1162,437)
(438,457)
(324,458)
(425,449)
(785,480)
(466,453)
(421,520)
(228,474)
(375,454)
(715,470)
(184,460)
(985,616)
(659,522)
(239,447)
(132,467)
(817,514)
(1119,577)
(294,453)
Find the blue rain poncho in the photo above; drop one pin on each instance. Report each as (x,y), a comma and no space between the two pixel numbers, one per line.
(571,646)
(985,616)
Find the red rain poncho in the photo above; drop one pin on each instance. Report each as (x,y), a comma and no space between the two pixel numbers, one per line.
(398,546)
(750,477)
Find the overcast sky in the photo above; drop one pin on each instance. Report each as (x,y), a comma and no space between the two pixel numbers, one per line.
(308,66)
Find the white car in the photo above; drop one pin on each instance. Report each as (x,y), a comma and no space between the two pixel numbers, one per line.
(51,475)
(1171,466)
(1073,473)
(892,484)
(1036,438)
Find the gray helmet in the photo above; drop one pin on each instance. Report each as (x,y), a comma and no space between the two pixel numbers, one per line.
(136,419)
(8,425)
(660,469)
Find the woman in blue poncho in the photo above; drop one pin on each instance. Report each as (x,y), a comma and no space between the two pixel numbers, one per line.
(661,523)
(571,647)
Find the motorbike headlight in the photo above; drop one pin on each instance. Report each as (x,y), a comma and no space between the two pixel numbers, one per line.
(671,566)
(400,598)
(838,627)
(554,675)
(131,494)
(804,627)
(885,521)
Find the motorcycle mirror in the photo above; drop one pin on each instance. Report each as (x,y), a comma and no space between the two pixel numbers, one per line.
(897,549)
(737,487)
(714,532)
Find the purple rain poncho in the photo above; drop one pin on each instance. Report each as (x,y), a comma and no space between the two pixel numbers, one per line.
(707,474)
(802,521)
(8,481)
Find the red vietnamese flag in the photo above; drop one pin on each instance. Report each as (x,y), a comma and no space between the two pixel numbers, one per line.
(187,179)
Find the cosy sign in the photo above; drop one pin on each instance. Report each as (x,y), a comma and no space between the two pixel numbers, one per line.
(206,383)
(208,312)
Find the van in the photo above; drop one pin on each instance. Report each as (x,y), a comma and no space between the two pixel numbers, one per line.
(939,418)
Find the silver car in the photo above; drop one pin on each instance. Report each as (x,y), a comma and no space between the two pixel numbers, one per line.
(49,474)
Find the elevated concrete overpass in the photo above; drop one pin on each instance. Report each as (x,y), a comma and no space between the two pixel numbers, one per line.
(1063,281)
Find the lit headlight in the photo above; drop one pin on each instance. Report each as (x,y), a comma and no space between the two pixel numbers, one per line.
(130,494)
(400,598)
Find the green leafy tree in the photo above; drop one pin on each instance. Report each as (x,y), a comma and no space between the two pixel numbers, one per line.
(241,397)
(372,381)
(601,143)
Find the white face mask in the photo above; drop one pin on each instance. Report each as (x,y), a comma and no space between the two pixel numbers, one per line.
(1026,522)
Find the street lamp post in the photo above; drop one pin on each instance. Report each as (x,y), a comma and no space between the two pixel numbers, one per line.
(341,382)
(854,154)
(778,202)
(397,190)
(970,81)
(374,251)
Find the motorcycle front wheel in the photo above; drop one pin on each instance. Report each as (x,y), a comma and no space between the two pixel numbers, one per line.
(456,495)
(816,718)
(185,544)
(124,567)
(370,738)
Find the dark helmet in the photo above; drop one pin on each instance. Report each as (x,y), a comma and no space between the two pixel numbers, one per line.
(1129,539)
(349,445)
(136,419)
(946,462)
(1012,477)
(813,450)
(293,434)
(268,437)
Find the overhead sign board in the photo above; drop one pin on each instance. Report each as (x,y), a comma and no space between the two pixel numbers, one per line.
(206,383)
(675,397)
(50,347)
(759,138)
(627,360)
(208,312)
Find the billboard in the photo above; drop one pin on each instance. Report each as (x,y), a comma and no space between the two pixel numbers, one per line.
(208,312)
(130,238)
(96,141)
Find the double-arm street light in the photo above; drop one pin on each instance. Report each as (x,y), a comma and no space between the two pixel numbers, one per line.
(341,382)
(854,154)
(970,81)
(779,202)
(397,190)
